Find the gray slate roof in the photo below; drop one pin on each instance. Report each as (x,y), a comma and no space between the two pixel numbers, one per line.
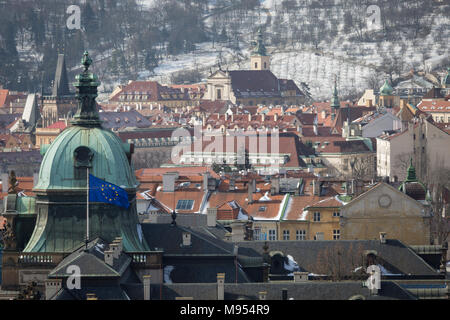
(394,255)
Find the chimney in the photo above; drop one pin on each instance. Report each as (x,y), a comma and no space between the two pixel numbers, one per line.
(275,117)
(300,276)
(237,231)
(169,181)
(146,281)
(382,237)
(211,219)
(316,132)
(284,294)
(232,185)
(186,239)
(262,295)
(220,286)
(275,186)
(263,117)
(206,177)
(316,188)
(52,286)
(249,117)
(114,247)
(250,192)
(5,183)
(119,242)
(109,257)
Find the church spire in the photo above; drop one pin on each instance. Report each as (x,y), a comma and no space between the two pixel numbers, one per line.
(260,48)
(411,173)
(60,84)
(86,85)
(335,100)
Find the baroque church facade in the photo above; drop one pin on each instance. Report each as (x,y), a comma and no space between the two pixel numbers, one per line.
(257,86)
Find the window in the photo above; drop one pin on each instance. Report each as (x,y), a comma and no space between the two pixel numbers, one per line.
(219,94)
(185,204)
(336,214)
(272,235)
(316,216)
(336,234)
(300,234)
(262,209)
(257,234)
(286,235)
(256,65)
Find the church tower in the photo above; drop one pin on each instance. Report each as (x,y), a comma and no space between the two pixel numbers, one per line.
(386,95)
(335,103)
(61,103)
(259,60)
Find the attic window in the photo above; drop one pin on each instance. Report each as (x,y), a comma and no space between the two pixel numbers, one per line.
(262,209)
(185,205)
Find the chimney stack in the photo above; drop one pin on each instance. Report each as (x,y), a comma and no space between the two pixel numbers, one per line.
(262,295)
(275,186)
(220,286)
(300,276)
(52,287)
(232,184)
(186,239)
(5,182)
(114,247)
(109,257)
(169,181)
(316,188)
(284,294)
(146,280)
(250,192)
(211,218)
(382,237)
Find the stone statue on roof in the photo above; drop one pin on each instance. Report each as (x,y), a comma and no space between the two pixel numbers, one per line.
(12,189)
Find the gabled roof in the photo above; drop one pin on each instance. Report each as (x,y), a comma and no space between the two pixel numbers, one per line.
(92,263)
(262,82)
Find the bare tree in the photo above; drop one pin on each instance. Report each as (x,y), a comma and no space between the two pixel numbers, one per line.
(338,263)
(439,192)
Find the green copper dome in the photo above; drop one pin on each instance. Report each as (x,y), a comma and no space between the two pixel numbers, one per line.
(61,192)
(109,160)
(386,89)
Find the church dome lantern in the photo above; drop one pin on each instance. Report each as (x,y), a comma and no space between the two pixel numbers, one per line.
(412,186)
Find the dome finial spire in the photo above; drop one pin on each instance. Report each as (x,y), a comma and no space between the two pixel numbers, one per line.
(86,86)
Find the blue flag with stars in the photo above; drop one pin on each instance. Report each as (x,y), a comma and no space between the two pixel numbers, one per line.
(103,191)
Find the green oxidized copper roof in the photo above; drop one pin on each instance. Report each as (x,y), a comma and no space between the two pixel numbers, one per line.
(411,178)
(109,162)
(61,224)
(260,48)
(335,100)
(386,89)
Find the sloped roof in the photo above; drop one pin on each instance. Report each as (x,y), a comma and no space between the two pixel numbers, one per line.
(396,257)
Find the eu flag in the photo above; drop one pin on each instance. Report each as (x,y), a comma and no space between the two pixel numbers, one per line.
(103,191)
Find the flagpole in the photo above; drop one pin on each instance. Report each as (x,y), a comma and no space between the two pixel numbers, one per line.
(87,208)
